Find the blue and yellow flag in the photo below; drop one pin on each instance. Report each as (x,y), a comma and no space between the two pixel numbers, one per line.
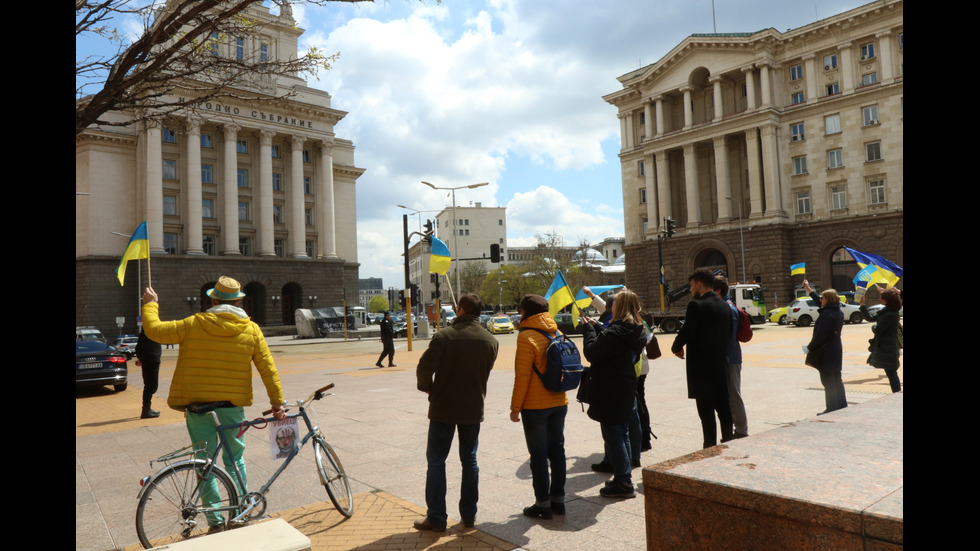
(798,269)
(139,247)
(869,275)
(439,259)
(559,295)
(886,271)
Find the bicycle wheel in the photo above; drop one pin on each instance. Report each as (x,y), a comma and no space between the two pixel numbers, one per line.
(171,507)
(333,477)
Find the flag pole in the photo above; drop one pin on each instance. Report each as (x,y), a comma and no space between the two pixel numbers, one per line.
(452,296)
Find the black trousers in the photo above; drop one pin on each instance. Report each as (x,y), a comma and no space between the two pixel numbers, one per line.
(151,380)
(389,350)
(707,407)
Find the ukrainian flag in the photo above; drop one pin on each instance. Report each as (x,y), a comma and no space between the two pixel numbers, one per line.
(439,259)
(884,270)
(139,247)
(559,295)
(798,269)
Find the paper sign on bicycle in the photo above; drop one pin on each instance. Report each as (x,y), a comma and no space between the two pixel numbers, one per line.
(284,437)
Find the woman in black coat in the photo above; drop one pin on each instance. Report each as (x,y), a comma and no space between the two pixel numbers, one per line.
(613,354)
(884,346)
(825,351)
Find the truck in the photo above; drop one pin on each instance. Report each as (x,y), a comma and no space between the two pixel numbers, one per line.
(743,295)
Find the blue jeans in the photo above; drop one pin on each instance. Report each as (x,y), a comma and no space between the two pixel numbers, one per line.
(436,451)
(635,434)
(615,437)
(544,432)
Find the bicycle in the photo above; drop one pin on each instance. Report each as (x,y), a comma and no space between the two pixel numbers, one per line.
(191,496)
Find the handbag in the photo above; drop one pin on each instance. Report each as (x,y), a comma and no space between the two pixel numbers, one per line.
(584,388)
(813,358)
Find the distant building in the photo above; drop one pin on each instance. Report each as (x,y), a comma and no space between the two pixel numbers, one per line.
(263,194)
(369,288)
(795,138)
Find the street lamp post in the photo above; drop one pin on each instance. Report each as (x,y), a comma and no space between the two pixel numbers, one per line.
(455,229)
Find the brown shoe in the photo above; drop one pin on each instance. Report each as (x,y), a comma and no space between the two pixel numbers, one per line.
(425,524)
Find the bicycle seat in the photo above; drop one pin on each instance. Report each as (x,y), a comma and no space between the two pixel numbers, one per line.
(208,407)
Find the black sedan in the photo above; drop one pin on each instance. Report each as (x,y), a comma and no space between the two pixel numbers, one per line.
(98,364)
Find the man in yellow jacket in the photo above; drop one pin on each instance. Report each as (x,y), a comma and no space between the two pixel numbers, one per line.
(214,364)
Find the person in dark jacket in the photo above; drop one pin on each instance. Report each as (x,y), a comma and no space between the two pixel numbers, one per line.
(706,332)
(826,348)
(453,371)
(613,354)
(148,354)
(884,346)
(388,340)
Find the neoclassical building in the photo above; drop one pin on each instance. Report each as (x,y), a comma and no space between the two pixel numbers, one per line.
(789,141)
(261,191)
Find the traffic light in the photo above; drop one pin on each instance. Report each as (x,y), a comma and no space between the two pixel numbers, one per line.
(670,226)
(428,231)
(494,253)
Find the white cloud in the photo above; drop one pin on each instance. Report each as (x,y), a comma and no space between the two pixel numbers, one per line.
(545,210)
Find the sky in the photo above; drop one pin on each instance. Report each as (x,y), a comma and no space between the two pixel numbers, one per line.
(501,91)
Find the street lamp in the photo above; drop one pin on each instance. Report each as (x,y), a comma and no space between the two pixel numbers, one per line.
(741,238)
(455,231)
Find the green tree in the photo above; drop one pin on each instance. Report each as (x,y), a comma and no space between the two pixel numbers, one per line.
(377,304)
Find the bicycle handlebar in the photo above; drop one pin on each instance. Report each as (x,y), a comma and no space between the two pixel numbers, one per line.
(317,394)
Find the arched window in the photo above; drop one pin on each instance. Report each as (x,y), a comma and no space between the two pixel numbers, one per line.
(843,268)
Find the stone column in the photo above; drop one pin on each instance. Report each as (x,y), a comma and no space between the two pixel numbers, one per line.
(624,135)
(811,78)
(663,188)
(885,53)
(716,97)
(229,191)
(755,172)
(750,87)
(770,171)
(660,114)
(652,211)
(846,68)
(297,203)
(723,183)
(264,202)
(154,186)
(647,120)
(193,236)
(688,113)
(693,194)
(766,85)
(326,215)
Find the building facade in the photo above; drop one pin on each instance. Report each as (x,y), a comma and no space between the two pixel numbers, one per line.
(260,191)
(767,149)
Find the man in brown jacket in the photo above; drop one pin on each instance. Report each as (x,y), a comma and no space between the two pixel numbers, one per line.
(453,371)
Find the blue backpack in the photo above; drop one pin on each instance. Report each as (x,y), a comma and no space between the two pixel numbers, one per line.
(564,371)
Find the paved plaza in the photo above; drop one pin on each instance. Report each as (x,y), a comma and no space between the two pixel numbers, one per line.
(376,421)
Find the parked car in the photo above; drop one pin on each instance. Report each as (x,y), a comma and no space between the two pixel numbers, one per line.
(400,328)
(564,322)
(873,310)
(127,345)
(500,324)
(803,312)
(98,364)
(778,315)
(484,319)
(515,319)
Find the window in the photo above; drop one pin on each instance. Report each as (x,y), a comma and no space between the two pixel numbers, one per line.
(207,142)
(838,198)
(640,168)
(833,89)
(170,243)
(901,41)
(874,151)
(308,215)
(868,51)
(466,222)
(214,44)
(798,98)
(799,165)
(868,79)
(467,231)
(306,155)
(264,53)
(311,245)
(832,123)
(803,202)
(277,214)
(643,196)
(169,205)
(796,72)
(280,247)
(169,136)
(276,181)
(239,48)
(835,158)
(245,246)
(169,169)
(501,241)
(207,243)
(500,222)
(870,114)
(242,146)
(243,211)
(242,177)
(207,208)
(797,131)
(829,62)
(207,174)
(307,185)
(645,226)
(876,192)
(276,151)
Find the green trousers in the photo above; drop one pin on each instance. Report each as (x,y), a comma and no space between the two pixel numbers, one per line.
(201,428)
